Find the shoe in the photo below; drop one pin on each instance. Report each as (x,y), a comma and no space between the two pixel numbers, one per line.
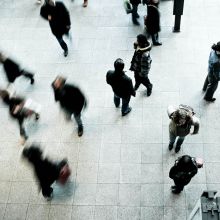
(85,4)
(32,80)
(136,23)
(170,147)
(157,44)
(149,91)
(210,100)
(175,191)
(128,110)
(65,53)
(80,131)
(37,116)
(177,149)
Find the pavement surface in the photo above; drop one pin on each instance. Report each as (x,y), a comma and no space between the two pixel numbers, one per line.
(120,165)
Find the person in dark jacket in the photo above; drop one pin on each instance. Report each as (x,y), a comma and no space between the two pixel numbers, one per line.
(46,171)
(184,169)
(211,81)
(121,85)
(134,10)
(71,100)
(13,70)
(59,19)
(18,111)
(141,63)
(152,21)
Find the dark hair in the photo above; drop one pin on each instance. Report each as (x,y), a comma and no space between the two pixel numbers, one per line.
(142,41)
(185,162)
(33,153)
(119,64)
(216,47)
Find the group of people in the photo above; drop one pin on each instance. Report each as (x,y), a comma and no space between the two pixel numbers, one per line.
(73,101)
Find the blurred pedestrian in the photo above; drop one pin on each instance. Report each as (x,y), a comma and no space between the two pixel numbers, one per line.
(211,81)
(85,3)
(46,171)
(184,169)
(59,19)
(152,21)
(141,63)
(71,100)
(19,109)
(121,85)
(133,10)
(182,119)
(13,70)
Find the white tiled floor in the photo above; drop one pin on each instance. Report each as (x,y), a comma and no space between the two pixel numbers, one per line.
(120,165)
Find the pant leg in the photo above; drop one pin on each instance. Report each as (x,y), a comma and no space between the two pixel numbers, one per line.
(205,83)
(134,13)
(146,82)
(137,81)
(179,185)
(211,88)
(62,43)
(125,104)
(154,40)
(116,100)
(172,138)
(78,119)
(180,141)
(27,74)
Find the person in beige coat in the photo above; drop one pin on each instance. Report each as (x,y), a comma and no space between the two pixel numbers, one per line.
(182,119)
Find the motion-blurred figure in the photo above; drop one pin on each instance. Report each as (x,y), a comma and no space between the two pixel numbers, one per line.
(46,171)
(71,99)
(59,19)
(85,3)
(13,70)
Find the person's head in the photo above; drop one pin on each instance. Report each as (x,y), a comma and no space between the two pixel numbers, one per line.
(119,65)
(185,162)
(5,96)
(32,153)
(142,41)
(59,82)
(180,117)
(50,2)
(216,48)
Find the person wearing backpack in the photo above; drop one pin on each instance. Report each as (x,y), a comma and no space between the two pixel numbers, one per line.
(182,119)
(184,169)
(141,63)
(211,81)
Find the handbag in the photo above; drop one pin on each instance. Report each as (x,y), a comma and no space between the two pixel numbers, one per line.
(64,175)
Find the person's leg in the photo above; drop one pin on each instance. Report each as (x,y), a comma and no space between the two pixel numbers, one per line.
(116,101)
(28,75)
(47,191)
(211,88)
(137,81)
(205,84)
(179,143)
(125,106)
(85,3)
(172,140)
(178,187)
(63,45)
(148,84)
(78,120)
(135,14)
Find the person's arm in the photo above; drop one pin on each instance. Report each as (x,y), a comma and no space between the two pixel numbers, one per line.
(196,124)
(131,88)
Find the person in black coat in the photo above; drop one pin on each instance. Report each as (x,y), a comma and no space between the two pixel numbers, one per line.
(71,100)
(121,85)
(13,70)
(152,21)
(46,171)
(17,111)
(184,169)
(59,19)
(134,10)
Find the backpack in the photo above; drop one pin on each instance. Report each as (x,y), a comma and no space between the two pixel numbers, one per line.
(189,110)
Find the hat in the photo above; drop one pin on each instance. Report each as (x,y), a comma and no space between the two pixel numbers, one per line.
(216,47)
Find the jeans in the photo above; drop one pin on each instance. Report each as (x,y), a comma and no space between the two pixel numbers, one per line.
(62,43)
(125,103)
(173,138)
(77,117)
(210,86)
(142,80)
(155,37)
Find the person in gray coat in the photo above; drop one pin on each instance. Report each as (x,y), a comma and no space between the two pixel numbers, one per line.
(121,85)
(211,81)
(181,122)
(141,63)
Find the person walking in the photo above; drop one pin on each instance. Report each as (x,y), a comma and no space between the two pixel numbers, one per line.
(71,99)
(141,63)
(59,19)
(13,70)
(152,21)
(85,3)
(211,81)
(46,171)
(184,169)
(182,119)
(133,10)
(121,85)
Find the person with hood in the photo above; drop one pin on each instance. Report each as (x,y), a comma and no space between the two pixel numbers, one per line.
(152,21)
(13,70)
(141,63)
(211,81)
(121,85)
(46,171)
(184,169)
(19,110)
(71,99)
(59,19)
